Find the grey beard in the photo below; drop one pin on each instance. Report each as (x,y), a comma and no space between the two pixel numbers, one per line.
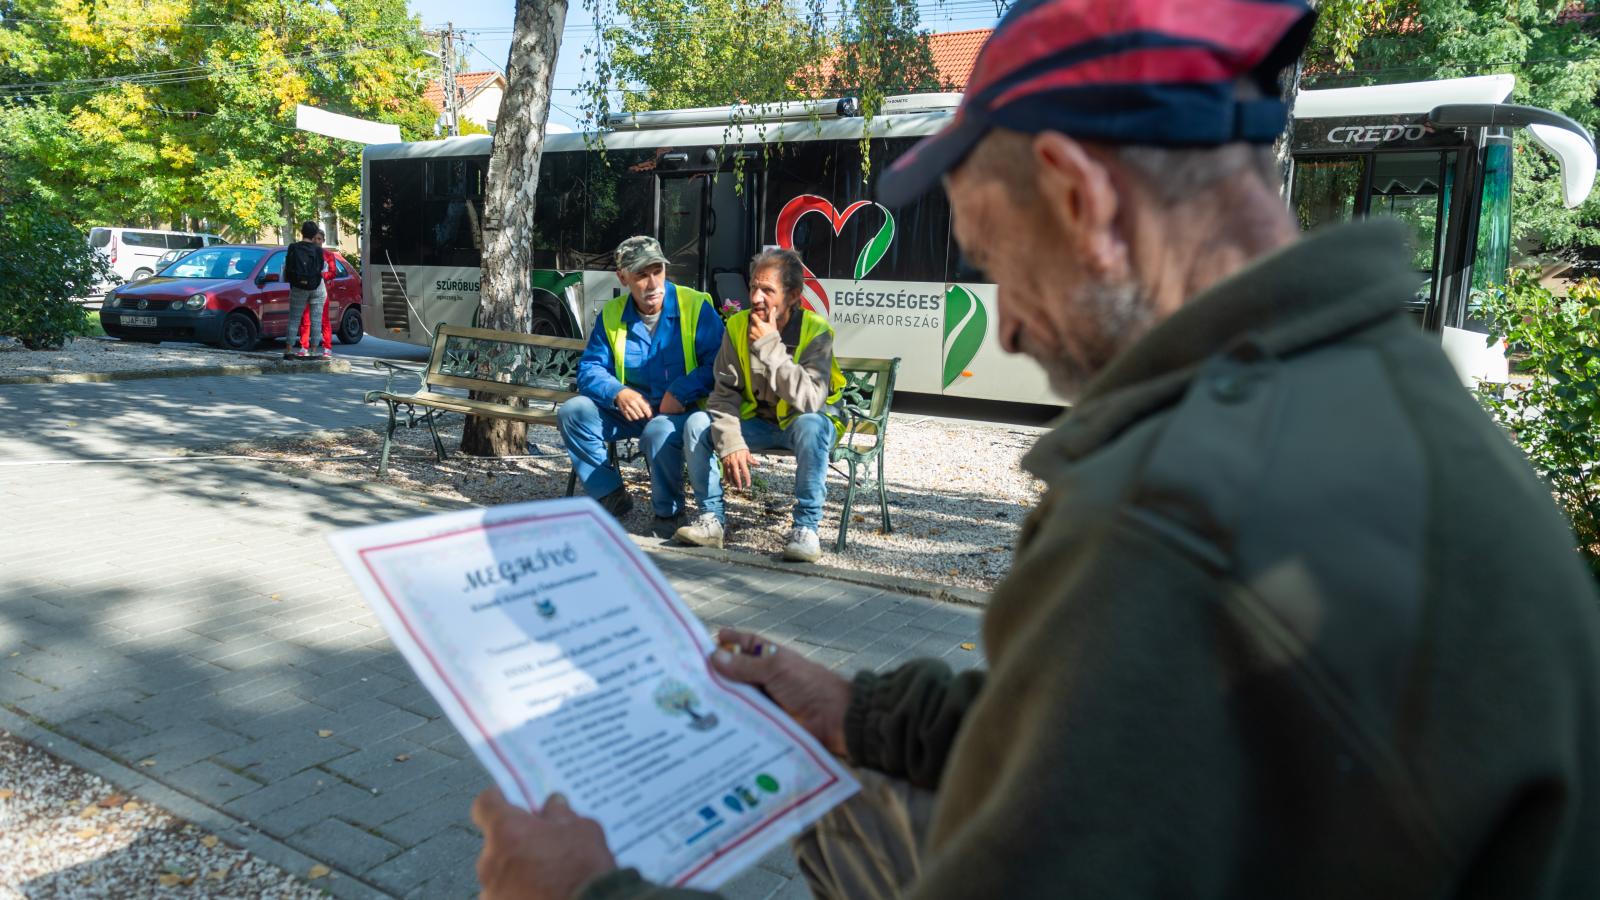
(1115,315)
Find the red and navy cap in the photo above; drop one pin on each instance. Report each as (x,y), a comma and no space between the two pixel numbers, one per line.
(1147,72)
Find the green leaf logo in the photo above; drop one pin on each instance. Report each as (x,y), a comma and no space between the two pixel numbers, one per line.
(875,249)
(965,324)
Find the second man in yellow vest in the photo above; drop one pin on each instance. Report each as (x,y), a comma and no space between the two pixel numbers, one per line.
(647,366)
(776,382)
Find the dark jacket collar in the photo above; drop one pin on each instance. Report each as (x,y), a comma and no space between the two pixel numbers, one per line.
(1325,285)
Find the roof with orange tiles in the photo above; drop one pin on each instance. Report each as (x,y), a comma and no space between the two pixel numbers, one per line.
(954,52)
(467,84)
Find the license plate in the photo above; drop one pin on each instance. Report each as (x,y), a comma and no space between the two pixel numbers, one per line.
(147,321)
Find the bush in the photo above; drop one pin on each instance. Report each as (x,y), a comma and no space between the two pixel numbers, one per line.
(1552,405)
(44,264)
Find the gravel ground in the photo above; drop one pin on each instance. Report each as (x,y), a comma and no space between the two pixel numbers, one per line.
(66,833)
(956,495)
(101,355)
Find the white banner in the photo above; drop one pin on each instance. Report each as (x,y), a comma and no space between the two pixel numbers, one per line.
(349,128)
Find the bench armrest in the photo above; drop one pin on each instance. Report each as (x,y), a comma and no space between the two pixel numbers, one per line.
(396,369)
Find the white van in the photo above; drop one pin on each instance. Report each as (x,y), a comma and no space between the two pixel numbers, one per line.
(135,252)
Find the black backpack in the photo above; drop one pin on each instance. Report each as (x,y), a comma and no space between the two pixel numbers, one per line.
(303,267)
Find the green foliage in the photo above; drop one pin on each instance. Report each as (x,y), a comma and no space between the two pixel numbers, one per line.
(44,264)
(1552,408)
(211,139)
(690,53)
(1554,56)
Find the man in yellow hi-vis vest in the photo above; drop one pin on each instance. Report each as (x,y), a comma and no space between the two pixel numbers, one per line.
(776,381)
(647,366)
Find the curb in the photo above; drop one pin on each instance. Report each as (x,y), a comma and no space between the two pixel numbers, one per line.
(283,367)
(234,832)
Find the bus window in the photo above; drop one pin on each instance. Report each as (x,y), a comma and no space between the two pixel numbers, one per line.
(620,195)
(1492,257)
(920,230)
(394,235)
(683,220)
(1415,188)
(453,211)
(795,170)
(558,211)
(1325,189)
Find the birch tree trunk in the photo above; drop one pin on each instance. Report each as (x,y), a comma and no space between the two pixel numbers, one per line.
(506,296)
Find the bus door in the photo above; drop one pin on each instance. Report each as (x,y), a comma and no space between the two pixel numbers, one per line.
(706,222)
(1347,169)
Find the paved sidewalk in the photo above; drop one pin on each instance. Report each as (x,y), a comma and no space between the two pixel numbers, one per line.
(188,620)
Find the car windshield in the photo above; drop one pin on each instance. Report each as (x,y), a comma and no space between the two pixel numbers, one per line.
(220,263)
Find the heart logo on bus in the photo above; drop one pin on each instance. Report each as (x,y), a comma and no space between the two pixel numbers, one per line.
(816,298)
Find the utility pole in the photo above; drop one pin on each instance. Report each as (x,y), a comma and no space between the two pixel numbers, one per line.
(447,58)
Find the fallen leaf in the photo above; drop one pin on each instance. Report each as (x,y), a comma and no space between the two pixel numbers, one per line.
(16,653)
(86,833)
(89,812)
(217,874)
(954,572)
(113,800)
(7,794)
(402,757)
(168,880)
(189,878)
(276,597)
(318,871)
(324,733)
(130,806)
(209,841)
(968,645)
(855,518)
(147,763)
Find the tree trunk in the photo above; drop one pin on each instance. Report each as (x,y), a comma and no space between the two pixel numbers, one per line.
(506,294)
(1290,91)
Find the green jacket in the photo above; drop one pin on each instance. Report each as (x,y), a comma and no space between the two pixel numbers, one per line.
(1294,619)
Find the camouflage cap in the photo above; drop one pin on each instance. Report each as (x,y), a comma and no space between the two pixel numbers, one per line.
(638,253)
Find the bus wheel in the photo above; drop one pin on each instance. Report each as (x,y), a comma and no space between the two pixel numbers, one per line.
(546,321)
(350,330)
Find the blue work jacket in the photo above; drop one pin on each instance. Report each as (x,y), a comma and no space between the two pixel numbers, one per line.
(654,363)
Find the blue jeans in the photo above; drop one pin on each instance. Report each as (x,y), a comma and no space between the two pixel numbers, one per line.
(810,436)
(586,428)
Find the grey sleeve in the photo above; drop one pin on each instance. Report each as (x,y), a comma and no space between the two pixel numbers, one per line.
(803,384)
(727,395)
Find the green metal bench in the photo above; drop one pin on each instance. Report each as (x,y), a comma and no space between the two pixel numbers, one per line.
(865,402)
(541,370)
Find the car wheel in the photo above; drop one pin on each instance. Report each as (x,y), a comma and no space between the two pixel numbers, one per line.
(240,332)
(350,329)
(142,273)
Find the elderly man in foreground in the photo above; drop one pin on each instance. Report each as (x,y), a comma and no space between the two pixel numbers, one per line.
(1293,619)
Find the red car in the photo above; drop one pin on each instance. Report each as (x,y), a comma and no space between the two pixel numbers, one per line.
(230,296)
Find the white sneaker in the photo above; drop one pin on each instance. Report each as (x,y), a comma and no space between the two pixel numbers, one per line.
(803,545)
(705,531)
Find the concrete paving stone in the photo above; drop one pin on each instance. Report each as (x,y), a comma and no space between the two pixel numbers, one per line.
(391,724)
(347,635)
(384,773)
(344,689)
(302,717)
(460,884)
(210,783)
(15,688)
(752,884)
(280,756)
(348,847)
(453,745)
(781,862)
(175,747)
(266,655)
(280,794)
(416,699)
(60,706)
(101,729)
(335,660)
(415,814)
(443,855)
(318,807)
(795,889)
(808,620)
(435,731)
(828,656)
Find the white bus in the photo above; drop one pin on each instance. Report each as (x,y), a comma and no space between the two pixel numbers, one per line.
(1438,155)
(893,282)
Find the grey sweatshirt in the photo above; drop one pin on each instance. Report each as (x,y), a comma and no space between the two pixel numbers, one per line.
(775,375)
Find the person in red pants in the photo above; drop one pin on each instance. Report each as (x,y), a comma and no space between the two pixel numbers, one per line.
(328,274)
